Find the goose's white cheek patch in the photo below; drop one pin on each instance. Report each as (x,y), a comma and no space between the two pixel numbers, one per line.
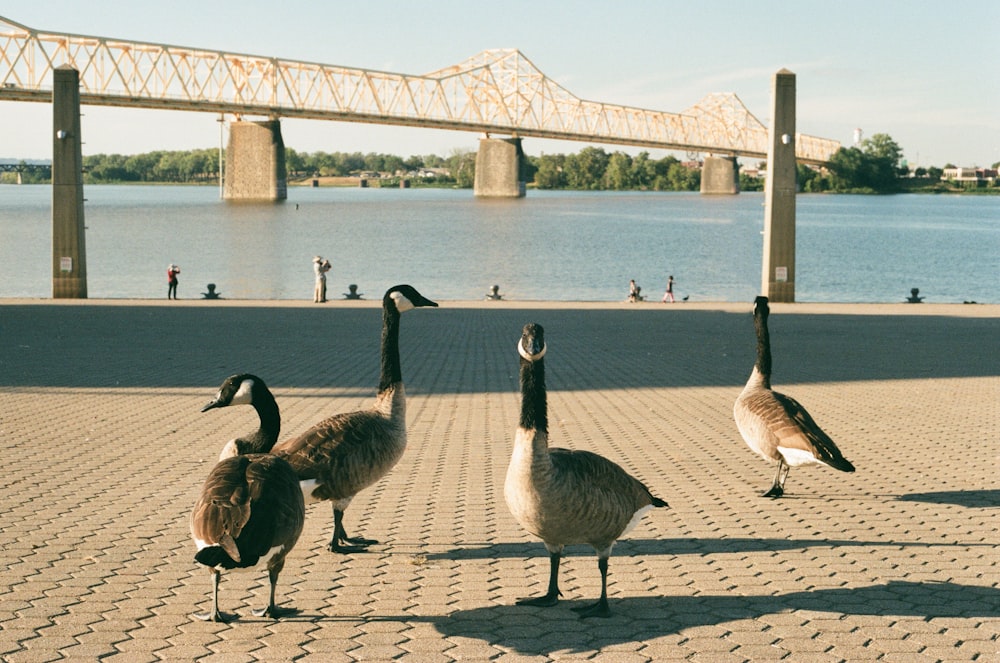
(244,396)
(403,304)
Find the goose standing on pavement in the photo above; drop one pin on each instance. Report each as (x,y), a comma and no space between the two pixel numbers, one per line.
(776,426)
(344,454)
(250,512)
(563,496)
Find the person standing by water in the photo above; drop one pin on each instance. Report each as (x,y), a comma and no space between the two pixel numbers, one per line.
(633,291)
(172,272)
(669,294)
(320,267)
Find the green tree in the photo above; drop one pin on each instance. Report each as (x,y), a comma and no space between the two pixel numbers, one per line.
(140,166)
(884,156)
(659,172)
(585,169)
(681,178)
(748,183)
(294,162)
(550,174)
(643,171)
(809,180)
(170,167)
(874,166)
(882,146)
(848,169)
(618,172)
(462,164)
(353,163)
(106,168)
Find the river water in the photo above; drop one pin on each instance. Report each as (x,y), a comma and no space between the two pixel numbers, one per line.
(565,246)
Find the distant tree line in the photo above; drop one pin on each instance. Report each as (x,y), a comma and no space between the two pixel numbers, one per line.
(174,167)
(874,166)
(593,169)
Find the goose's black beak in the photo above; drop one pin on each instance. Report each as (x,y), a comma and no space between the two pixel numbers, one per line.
(211,405)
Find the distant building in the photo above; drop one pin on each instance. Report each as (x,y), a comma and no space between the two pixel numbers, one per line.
(970,176)
(427,173)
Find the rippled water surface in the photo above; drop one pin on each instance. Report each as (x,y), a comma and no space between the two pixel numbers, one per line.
(548,246)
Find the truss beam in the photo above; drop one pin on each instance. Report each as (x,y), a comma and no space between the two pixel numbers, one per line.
(496,91)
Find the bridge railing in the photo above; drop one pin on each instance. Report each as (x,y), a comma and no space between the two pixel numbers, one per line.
(497,91)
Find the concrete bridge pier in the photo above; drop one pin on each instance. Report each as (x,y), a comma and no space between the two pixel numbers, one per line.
(778,273)
(720,175)
(498,168)
(69,252)
(255,162)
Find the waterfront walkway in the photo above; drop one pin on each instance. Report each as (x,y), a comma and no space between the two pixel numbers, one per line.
(105,450)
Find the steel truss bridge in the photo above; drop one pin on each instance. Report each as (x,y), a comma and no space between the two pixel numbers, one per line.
(494,92)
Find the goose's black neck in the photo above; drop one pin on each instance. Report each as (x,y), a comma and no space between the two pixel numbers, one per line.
(534,409)
(265,437)
(391,373)
(763,363)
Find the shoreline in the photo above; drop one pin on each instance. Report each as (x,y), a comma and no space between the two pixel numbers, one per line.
(976,310)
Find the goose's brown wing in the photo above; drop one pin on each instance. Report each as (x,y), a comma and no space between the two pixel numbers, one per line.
(802,432)
(593,498)
(320,445)
(345,453)
(223,508)
(248,505)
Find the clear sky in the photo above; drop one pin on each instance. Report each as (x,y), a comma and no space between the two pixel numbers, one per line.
(924,72)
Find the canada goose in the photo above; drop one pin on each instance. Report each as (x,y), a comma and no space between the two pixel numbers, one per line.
(250,511)
(564,496)
(344,454)
(776,426)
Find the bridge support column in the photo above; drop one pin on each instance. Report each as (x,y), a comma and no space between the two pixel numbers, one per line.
(498,168)
(778,274)
(255,162)
(720,175)
(69,254)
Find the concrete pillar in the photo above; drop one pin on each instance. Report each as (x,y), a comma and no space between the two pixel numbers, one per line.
(498,168)
(778,273)
(255,162)
(69,252)
(720,175)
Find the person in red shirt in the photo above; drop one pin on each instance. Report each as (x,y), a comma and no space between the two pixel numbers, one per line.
(172,272)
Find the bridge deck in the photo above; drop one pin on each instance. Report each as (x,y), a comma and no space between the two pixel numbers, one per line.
(496,91)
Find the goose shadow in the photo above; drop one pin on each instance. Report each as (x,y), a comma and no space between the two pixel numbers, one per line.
(541,631)
(676,546)
(970,498)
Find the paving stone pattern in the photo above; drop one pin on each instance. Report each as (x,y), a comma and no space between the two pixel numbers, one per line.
(105,450)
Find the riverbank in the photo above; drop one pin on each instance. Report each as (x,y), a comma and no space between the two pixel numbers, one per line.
(971,310)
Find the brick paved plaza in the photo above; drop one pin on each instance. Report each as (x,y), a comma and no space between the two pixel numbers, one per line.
(105,450)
